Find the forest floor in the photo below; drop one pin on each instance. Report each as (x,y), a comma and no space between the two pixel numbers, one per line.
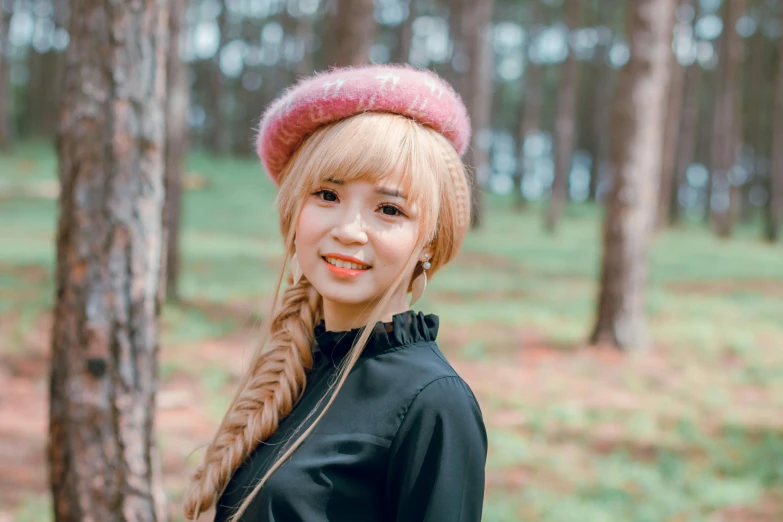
(691,430)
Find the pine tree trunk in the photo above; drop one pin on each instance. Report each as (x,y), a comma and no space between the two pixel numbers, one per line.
(104,370)
(600,171)
(353,32)
(53,63)
(709,80)
(671,139)
(473,22)
(304,35)
(177,102)
(405,34)
(533,101)
(602,122)
(689,127)
(34,92)
(221,120)
(725,135)
(565,124)
(758,81)
(7,134)
(638,121)
(774,210)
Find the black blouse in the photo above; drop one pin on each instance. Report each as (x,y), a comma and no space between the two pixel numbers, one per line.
(404,439)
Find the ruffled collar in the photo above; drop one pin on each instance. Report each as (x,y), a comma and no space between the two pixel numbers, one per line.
(405,328)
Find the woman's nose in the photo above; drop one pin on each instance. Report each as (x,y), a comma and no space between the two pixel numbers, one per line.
(350,229)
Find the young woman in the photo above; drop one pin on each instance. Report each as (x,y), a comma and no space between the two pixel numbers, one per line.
(349,411)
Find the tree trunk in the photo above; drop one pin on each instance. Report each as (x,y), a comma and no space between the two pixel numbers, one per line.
(758,81)
(689,130)
(104,370)
(774,214)
(32,105)
(602,122)
(565,124)
(304,35)
(533,101)
(473,22)
(630,214)
(221,121)
(704,134)
(177,102)
(6,92)
(725,128)
(405,34)
(353,32)
(600,171)
(671,137)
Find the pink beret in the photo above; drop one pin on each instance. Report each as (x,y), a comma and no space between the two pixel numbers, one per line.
(324,98)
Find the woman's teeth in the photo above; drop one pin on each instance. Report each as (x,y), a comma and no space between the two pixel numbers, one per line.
(345,264)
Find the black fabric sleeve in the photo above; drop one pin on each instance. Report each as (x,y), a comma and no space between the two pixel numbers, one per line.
(438,456)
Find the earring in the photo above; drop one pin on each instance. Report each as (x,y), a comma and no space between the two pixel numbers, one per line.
(420,283)
(296,270)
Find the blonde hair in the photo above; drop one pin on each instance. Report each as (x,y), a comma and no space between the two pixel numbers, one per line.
(434,178)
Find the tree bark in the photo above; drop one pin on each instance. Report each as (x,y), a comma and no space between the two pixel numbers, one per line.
(104,370)
(353,32)
(671,138)
(177,103)
(473,19)
(565,124)
(638,120)
(7,134)
(405,34)
(774,213)
(725,138)
(533,101)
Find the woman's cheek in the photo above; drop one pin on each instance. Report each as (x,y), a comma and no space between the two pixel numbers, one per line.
(308,220)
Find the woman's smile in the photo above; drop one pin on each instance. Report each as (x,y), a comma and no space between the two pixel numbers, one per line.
(345,266)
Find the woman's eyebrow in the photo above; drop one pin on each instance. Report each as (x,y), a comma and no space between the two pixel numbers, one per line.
(391,192)
(380,190)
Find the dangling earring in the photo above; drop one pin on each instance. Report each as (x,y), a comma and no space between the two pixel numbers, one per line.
(296,270)
(420,283)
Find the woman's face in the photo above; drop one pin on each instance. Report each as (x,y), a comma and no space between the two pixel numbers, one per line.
(352,240)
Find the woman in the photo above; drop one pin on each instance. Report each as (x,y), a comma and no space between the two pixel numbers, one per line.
(349,411)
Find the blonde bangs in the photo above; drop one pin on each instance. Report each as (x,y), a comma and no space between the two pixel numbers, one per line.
(379,148)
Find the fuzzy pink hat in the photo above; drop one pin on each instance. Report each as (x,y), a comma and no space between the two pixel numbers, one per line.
(324,98)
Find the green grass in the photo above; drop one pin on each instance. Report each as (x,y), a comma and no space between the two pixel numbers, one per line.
(597,441)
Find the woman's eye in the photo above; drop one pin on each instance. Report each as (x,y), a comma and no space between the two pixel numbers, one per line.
(391,210)
(326,195)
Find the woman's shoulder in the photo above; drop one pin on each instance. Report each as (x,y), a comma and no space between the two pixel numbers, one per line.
(425,371)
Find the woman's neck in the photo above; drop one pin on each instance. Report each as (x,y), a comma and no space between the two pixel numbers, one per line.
(341,317)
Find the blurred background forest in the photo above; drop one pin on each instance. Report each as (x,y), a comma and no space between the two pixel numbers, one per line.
(690,429)
(542,82)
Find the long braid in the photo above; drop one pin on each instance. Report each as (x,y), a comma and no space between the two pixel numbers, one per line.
(269,393)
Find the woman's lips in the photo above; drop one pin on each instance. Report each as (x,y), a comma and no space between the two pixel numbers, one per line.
(345,270)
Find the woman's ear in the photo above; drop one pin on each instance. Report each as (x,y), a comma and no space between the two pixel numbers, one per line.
(426,252)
